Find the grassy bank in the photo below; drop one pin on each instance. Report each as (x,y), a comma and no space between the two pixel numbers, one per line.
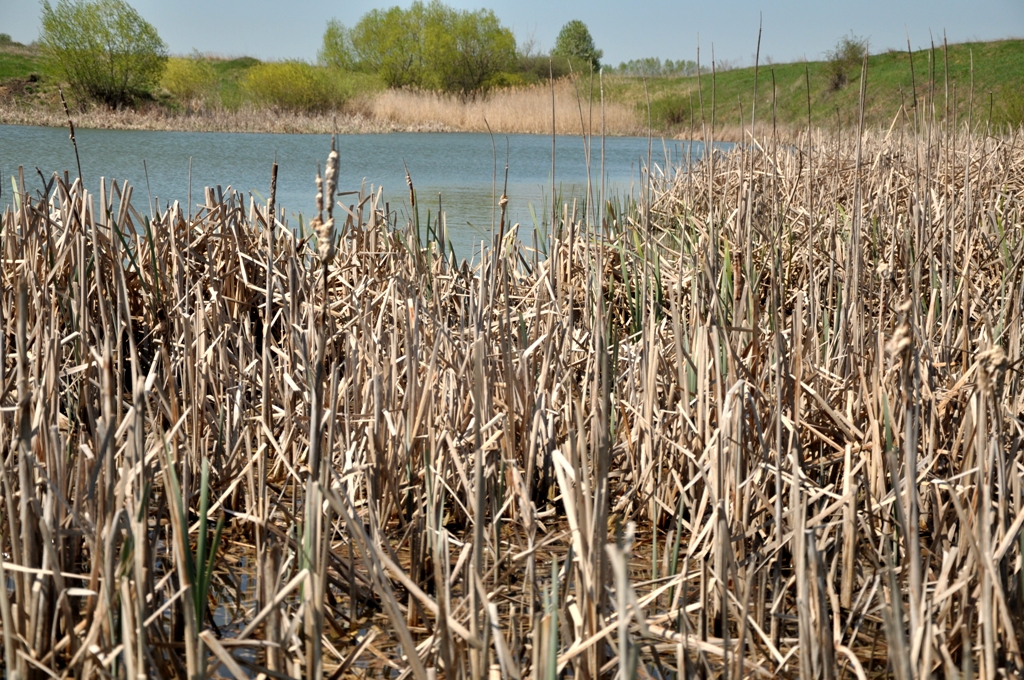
(241,96)
(940,78)
(766,422)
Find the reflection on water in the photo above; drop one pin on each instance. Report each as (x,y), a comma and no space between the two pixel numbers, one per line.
(462,172)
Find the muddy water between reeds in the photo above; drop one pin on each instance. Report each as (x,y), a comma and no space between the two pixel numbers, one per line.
(457,171)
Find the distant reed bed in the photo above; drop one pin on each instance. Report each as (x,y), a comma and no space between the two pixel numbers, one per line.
(209,119)
(526,110)
(520,110)
(765,421)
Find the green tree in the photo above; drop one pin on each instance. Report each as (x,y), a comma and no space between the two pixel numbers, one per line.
(464,50)
(428,46)
(103,49)
(390,43)
(336,50)
(574,40)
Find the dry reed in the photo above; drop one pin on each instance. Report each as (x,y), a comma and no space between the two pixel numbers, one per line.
(520,110)
(244,119)
(525,110)
(767,421)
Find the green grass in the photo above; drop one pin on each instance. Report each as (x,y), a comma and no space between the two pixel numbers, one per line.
(19,62)
(675,101)
(998,69)
(230,75)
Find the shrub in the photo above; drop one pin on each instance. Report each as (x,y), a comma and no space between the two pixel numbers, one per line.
(847,56)
(294,86)
(673,111)
(103,49)
(191,81)
(538,68)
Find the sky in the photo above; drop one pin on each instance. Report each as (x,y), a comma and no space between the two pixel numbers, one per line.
(792,30)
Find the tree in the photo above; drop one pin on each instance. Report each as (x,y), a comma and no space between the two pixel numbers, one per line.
(574,40)
(428,45)
(390,43)
(464,50)
(103,49)
(336,50)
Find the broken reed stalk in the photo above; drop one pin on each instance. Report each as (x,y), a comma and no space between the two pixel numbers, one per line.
(833,470)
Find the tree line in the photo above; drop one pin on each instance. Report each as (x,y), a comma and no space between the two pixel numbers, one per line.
(107,53)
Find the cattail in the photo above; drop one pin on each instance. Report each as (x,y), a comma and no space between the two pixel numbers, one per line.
(325,241)
(331,182)
(319,195)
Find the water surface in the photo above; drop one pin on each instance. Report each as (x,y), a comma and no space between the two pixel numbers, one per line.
(455,170)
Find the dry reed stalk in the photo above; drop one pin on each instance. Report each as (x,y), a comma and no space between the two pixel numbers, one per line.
(525,110)
(796,369)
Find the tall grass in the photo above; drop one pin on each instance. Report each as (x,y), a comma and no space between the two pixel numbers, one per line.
(766,421)
(517,110)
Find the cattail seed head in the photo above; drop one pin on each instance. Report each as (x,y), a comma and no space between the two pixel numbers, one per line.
(331,180)
(319,194)
(325,241)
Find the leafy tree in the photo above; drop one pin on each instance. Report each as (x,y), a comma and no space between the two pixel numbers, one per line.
(336,50)
(574,40)
(103,49)
(428,45)
(464,50)
(390,43)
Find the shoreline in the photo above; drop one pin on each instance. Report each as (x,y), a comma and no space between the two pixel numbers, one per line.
(524,111)
(252,121)
(274,122)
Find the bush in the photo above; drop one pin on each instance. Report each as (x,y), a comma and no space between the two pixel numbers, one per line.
(673,111)
(191,81)
(538,68)
(294,86)
(103,49)
(844,59)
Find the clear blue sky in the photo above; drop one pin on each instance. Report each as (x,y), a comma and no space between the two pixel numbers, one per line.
(624,30)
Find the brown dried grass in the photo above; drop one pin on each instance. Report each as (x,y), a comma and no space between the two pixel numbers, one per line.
(521,110)
(526,110)
(774,412)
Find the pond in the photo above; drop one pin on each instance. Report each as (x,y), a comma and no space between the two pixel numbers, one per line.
(458,171)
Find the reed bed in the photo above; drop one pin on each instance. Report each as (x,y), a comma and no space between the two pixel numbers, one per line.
(516,110)
(525,110)
(244,119)
(764,421)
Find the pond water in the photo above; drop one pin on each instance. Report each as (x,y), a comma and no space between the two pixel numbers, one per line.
(456,170)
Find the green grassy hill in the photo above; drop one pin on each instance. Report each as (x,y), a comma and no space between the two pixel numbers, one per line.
(940,84)
(998,76)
